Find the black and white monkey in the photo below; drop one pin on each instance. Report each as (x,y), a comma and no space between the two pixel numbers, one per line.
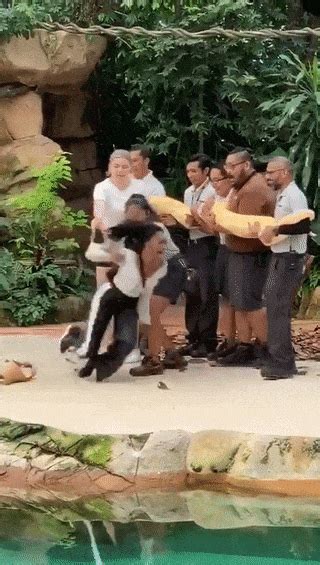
(138,250)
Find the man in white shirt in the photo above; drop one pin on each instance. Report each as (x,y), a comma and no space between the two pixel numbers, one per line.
(202,305)
(286,268)
(140,160)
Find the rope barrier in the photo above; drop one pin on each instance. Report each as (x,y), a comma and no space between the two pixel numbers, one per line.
(179,33)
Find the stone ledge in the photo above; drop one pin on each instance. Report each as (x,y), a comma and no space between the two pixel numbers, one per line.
(37,456)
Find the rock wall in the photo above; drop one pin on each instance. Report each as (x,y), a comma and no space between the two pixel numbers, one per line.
(43,108)
(36,456)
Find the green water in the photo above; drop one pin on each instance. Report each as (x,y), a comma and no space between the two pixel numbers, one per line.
(143,542)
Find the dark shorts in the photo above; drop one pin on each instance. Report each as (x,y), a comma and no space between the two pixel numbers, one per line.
(221,271)
(247,275)
(173,283)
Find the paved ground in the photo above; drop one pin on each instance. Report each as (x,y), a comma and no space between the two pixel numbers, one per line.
(200,398)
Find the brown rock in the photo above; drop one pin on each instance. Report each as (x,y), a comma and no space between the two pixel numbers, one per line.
(17,159)
(83,154)
(72,309)
(53,61)
(21,116)
(65,116)
(213,452)
(5,136)
(164,452)
(124,459)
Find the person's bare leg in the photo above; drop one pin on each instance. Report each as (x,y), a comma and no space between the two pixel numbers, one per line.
(101,275)
(258,324)
(243,326)
(157,337)
(227,321)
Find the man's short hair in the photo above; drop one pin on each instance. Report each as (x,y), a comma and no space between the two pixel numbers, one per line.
(143,150)
(203,160)
(242,152)
(282,162)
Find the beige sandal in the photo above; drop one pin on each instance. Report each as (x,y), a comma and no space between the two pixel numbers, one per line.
(16,372)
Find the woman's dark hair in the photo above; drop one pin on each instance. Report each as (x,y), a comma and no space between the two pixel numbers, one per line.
(140,201)
(135,234)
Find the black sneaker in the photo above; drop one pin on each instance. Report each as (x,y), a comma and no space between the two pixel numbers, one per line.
(148,368)
(186,349)
(274,377)
(199,352)
(174,360)
(243,355)
(222,350)
(269,374)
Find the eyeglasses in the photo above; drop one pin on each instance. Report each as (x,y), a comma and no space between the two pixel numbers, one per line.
(274,171)
(234,165)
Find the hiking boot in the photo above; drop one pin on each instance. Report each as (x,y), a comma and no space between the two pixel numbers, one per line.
(273,376)
(186,349)
(147,368)
(270,374)
(199,352)
(243,355)
(174,360)
(223,349)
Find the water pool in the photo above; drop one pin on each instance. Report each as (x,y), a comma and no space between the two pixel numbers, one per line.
(34,533)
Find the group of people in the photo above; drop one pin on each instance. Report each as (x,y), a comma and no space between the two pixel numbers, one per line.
(244,284)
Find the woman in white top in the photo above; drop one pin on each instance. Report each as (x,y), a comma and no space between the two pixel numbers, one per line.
(140,256)
(110,196)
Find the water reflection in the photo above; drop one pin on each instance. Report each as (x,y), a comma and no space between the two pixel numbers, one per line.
(157,527)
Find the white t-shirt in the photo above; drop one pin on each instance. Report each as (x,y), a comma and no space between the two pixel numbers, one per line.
(153,187)
(115,199)
(194,197)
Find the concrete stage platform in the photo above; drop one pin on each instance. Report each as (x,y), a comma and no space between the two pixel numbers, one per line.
(201,398)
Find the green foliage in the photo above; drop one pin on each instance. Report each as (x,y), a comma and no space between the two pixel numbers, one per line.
(38,215)
(294,114)
(49,179)
(30,280)
(30,292)
(278,110)
(283,100)
(20,17)
(169,89)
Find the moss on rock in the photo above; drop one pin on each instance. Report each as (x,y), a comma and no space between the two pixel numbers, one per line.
(24,438)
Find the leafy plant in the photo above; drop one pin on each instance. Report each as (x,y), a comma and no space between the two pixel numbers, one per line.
(30,292)
(293,109)
(167,92)
(40,214)
(30,280)
(20,17)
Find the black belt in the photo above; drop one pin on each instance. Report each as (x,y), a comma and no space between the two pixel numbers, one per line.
(288,253)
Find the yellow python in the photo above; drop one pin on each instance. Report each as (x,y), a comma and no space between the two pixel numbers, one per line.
(236,224)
